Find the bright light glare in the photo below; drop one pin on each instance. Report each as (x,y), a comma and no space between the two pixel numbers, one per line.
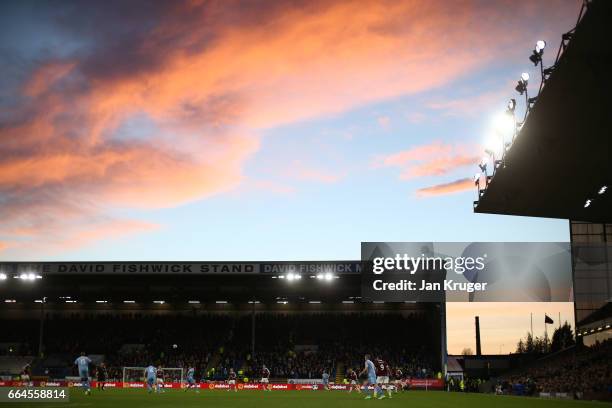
(3,276)
(329,276)
(540,45)
(504,123)
(29,276)
(587,204)
(525,76)
(601,191)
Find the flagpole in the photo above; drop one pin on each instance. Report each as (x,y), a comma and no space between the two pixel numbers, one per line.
(532,325)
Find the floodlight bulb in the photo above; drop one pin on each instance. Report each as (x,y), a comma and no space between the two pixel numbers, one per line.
(540,45)
(512,104)
(525,76)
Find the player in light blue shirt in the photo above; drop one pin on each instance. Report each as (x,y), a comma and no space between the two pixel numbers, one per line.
(150,375)
(371,372)
(325,379)
(82,363)
(191,382)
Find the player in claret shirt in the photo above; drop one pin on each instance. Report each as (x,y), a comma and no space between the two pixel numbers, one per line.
(231,380)
(398,379)
(382,375)
(265,378)
(353,381)
(159,386)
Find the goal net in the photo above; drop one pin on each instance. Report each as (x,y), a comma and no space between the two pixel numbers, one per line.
(137,374)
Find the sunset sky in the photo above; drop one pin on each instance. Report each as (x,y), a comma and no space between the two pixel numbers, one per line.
(256,130)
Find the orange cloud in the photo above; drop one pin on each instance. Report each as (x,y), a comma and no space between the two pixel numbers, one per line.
(439,166)
(434,159)
(456,186)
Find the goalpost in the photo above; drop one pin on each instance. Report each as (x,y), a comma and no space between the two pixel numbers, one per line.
(136,374)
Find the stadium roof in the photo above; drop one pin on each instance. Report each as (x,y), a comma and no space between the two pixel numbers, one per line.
(562,156)
(178,282)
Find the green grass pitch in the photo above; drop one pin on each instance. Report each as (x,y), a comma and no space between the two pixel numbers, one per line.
(129,398)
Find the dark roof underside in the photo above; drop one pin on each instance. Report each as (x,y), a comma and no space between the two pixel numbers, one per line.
(563,154)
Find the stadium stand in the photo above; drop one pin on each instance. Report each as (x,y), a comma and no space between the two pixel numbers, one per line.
(581,372)
(13,365)
(291,345)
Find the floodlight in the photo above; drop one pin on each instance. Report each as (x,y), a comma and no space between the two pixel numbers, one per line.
(483,164)
(290,277)
(538,51)
(587,203)
(3,276)
(525,77)
(600,192)
(320,276)
(329,276)
(101,301)
(503,124)
(547,71)
(511,106)
(521,87)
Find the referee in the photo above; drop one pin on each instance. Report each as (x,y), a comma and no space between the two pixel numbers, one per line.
(101,376)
